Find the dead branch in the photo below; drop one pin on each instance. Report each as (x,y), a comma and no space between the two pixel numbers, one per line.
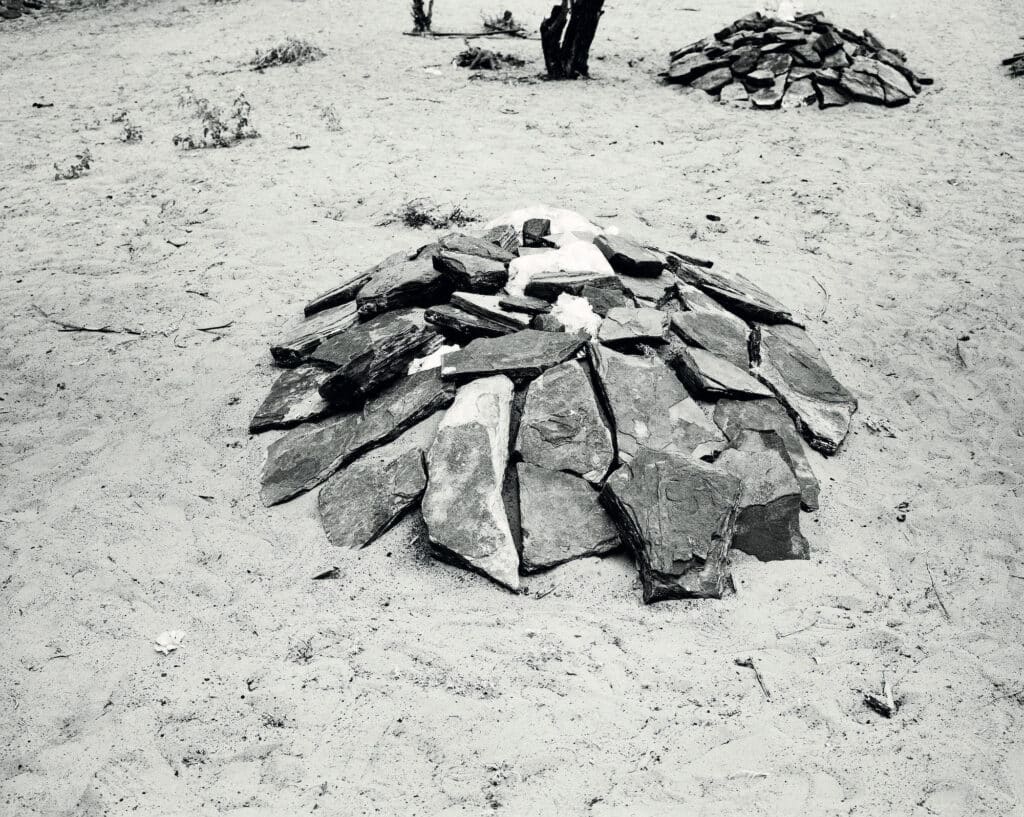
(64,326)
(749,663)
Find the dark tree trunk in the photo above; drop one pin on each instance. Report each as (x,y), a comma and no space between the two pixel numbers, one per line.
(566,37)
(422,17)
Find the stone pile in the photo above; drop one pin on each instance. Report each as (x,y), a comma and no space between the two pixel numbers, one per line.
(547,391)
(766,62)
(1015,64)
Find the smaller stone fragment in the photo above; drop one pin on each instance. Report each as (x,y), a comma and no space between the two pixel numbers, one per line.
(549,285)
(768,98)
(523,304)
(472,273)
(713,81)
(296,346)
(768,522)
(653,292)
(535,231)
(601,300)
(734,94)
(734,291)
(561,519)
(830,96)
(504,236)
(709,325)
(490,307)
(294,398)
(627,257)
(759,79)
(627,326)
(547,323)
(411,283)
(691,66)
(521,356)
(798,94)
(461,326)
(471,245)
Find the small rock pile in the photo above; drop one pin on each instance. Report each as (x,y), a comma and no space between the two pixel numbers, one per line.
(1015,64)
(766,62)
(550,390)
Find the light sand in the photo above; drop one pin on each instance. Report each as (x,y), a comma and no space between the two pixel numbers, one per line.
(129,488)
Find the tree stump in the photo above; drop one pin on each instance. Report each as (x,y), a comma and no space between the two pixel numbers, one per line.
(422,18)
(566,36)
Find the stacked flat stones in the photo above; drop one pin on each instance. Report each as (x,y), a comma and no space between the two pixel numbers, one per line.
(1015,64)
(765,62)
(674,429)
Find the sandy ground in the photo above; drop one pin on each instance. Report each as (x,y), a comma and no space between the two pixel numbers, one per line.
(129,498)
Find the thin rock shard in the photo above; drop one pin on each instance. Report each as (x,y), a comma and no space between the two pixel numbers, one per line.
(463,506)
(302,341)
(293,399)
(521,356)
(741,296)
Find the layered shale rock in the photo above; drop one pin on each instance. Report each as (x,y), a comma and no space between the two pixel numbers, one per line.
(765,62)
(580,408)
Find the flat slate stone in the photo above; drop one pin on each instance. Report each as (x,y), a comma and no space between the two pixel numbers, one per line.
(535,232)
(627,257)
(735,417)
(678,515)
(471,245)
(627,326)
(650,408)
(461,326)
(711,376)
(735,292)
(347,289)
(294,398)
(653,292)
(523,304)
(549,285)
(306,456)
(799,93)
(372,354)
(411,283)
(522,356)
(490,307)
(734,94)
(770,97)
(300,342)
(472,273)
(504,236)
(768,521)
(547,323)
(366,499)
(793,367)
(463,507)
(562,427)
(830,96)
(709,325)
(561,519)
(601,300)
(759,79)
(863,86)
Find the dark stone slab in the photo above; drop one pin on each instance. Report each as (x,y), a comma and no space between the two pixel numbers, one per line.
(735,417)
(654,292)
(411,283)
(521,356)
(562,427)
(294,399)
(734,94)
(807,54)
(347,289)
(372,354)
(650,408)
(463,506)
(830,96)
(862,86)
(799,93)
(756,80)
(700,45)
(461,326)
(549,285)
(472,273)
(735,292)
(691,66)
(523,304)
(296,346)
(678,515)
(768,521)
(535,231)
(769,98)
(489,306)
(708,375)
(707,324)
(837,59)
(627,257)
(601,300)
(895,86)
(561,518)
(825,76)
(306,456)
(790,363)
(471,245)
(627,326)
(713,81)
(546,323)
(366,499)
(744,59)
(504,236)
(777,64)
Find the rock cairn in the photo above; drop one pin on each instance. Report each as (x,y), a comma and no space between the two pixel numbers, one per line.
(766,62)
(1015,64)
(549,390)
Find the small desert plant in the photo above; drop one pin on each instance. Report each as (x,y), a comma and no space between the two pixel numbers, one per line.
(75,169)
(474,57)
(131,132)
(504,24)
(330,116)
(422,17)
(219,130)
(424,213)
(292,51)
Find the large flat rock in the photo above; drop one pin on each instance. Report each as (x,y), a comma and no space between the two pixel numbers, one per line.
(549,285)
(471,245)
(372,354)
(490,307)
(735,417)
(708,375)
(562,427)
(302,340)
(461,326)
(734,291)
(411,283)
(293,399)
(768,522)
(472,273)
(348,287)
(561,519)
(628,326)
(628,257)
(793,367)
(521,356)
(709,325)
(678,515)
(463,506)
(306,456)
(365,499)
(651,409)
